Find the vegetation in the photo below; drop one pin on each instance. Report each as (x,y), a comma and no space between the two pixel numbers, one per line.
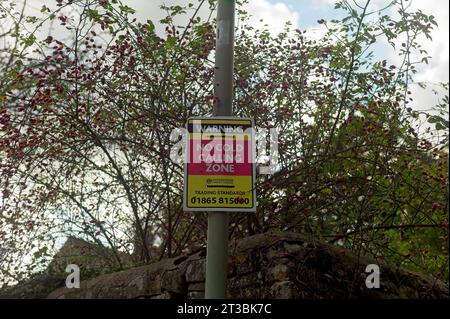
(85,123)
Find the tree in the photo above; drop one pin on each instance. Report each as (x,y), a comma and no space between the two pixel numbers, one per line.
(86,122)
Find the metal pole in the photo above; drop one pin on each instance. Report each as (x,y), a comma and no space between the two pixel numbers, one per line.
(217,241)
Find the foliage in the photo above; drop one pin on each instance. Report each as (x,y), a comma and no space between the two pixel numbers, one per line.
(85,134)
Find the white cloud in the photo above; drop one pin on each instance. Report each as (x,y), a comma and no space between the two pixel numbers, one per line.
(438,68)
(274,15)
(324,4)
(438,49)
(264,13)
(329,4)
(151,10)
(316,32)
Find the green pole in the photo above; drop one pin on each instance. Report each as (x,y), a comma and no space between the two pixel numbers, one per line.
(217,240)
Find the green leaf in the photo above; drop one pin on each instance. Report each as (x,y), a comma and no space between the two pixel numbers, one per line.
(29,41)
(44,8)
(170,42)
(31,19)
(93,14)
(439,126)
(433,119)
(151,26)
(126,9)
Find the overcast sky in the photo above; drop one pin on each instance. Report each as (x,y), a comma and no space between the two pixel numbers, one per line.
(304,14)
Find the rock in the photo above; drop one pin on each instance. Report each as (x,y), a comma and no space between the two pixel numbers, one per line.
(198,286)
(195,270)
(90,257)
(270,265)
(284,290)
(196,295)
(128,284)
(37,287)
(279,273)
(174,281)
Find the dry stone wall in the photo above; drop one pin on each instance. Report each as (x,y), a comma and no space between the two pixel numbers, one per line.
(270,265)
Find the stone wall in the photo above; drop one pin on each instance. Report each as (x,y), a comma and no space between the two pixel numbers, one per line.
(269,265)
(90,257)
(93,260)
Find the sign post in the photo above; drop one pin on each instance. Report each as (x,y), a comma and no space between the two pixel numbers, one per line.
(219,178)
(217,240)
(217,237)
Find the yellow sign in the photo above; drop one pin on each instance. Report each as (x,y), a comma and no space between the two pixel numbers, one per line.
(220,167)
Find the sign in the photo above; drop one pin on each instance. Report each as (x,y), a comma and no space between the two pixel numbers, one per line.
(220,167)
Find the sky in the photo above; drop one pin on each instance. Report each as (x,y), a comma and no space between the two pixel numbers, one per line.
(304,14)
